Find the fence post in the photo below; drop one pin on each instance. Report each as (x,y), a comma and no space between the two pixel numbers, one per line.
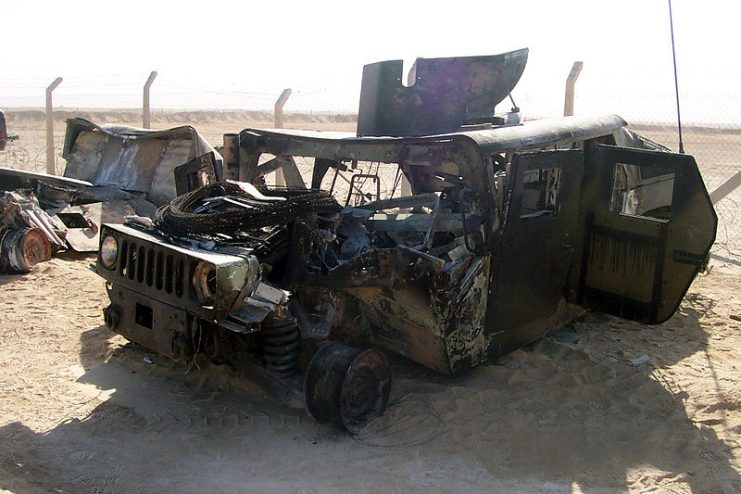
(725,188)
(279,104)
(568,101)
(278,121)
(230,153)
(145,100)
(51,162)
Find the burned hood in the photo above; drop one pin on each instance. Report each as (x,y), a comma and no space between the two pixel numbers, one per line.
(130,158)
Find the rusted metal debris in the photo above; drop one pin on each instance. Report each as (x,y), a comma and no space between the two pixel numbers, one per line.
(27,233)
(510,230)
(139,161)
(112,172)
(23,248)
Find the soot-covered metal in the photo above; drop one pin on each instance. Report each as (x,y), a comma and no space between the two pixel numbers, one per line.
(447,249)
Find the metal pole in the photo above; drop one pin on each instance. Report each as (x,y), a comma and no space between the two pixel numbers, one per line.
(145,100)
(676,81)
(726,188)
(279,104)
(568,100)
(278,121)
(230,153)
(51,164)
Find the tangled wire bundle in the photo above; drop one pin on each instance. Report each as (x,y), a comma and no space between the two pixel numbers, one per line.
(226,208)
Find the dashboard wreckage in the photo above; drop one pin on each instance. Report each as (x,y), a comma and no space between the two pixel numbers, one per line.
(441,232)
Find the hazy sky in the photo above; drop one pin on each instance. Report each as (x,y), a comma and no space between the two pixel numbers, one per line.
(231,54)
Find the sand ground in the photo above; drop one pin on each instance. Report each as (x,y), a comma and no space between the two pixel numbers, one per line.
(83,411)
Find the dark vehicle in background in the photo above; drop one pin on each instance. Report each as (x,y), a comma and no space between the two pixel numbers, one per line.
(441,232)
(3,131)
(5,138)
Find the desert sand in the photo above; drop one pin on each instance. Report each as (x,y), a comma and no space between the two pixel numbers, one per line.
(82,410)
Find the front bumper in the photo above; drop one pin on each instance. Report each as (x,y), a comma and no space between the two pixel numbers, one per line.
(148,322)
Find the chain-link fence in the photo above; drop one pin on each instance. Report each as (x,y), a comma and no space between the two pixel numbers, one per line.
(712,133)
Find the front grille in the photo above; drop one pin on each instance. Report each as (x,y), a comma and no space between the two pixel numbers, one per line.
(158,269)
(153,268)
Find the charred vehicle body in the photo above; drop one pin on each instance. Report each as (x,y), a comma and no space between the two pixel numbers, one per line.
(443,233)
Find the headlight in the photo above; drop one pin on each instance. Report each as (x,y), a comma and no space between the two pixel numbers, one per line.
(109,251)
(204,282)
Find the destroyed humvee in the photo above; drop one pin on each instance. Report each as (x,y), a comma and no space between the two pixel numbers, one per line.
(440,232)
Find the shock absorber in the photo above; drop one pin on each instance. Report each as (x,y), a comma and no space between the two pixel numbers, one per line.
(281,338)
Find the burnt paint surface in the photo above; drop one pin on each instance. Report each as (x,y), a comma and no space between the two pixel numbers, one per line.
(533,255)
(443,94)
(529,269)
(640,267)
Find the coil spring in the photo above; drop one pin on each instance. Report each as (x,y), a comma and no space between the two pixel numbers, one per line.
(280,337)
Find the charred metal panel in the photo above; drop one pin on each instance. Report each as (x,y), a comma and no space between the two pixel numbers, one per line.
(622,262)
(437,322)
(132,159)
(640,267)
(446,93)
(378,267)
(468,339)
(231,156)
(535,249)
(175,153)
(84,160)
(418,157)
(146,321)
(130,165)
(196,173)
(402,320)
(11,179)
(547,132)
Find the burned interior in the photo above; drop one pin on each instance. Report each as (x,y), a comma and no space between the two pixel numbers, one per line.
(444,233)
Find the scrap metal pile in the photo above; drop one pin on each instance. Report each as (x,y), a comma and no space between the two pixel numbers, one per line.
(111,172)
(28,235)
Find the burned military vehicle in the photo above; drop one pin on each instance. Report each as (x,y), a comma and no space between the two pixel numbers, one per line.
(440,232)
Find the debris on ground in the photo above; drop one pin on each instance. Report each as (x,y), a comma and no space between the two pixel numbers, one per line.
(112,172)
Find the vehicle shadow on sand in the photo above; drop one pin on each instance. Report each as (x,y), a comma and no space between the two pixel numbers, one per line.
(590,413)
(542,419)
